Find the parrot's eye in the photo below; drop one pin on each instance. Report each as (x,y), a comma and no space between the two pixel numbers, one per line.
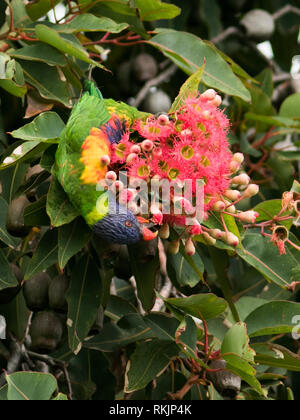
(128,224)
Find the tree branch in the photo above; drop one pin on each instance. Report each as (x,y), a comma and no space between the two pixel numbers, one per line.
(162,77)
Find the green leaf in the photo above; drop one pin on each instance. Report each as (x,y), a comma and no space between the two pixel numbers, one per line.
(71,239)
(40,8)
(271,121)
(11,77)
(189,87)
(118,307)
(266,81)
(84,298)
(245,306)
(5,237)
(23,152)
(236,341)
(67,46)
(7,277)
(185,270)
(271,354)
(204,306)
(162,325)
(277,317)
(156,10)
(91,23)
(129,329)
(148,361)
(17,315)
(242,368)
(35,214)
(59,208)
(11,179)
(270,208)
(44,256)
(40,52)
(290,107)
(145,273)
(260,253)
(188,52)
(30,386)
(47,80)
(46,127)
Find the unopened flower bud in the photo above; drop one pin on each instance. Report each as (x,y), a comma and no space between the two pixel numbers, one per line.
(111,176)
(190,247)
(147,145)
(164,231)
(242,179)
(163,119)
(209,239)
(135,149)
(248,216)
(105,160)
(216,233)
(209,94)
(217,101)
(230,239)
(238,157)
(251,191)
(131,157)
(232,195)
(218,206)
(229,207)
(234,166)
(173,247)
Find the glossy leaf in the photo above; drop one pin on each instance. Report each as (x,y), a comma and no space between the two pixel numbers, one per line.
(30,386)
(59,208)
(45,127)
(189,87)
(189,53)
(130,329)
(264,256)
(71,239)
(276,317)
(84,297)
(44,256)
(7,278)
(65,45)
(148,361)
(204,306)
(91,23)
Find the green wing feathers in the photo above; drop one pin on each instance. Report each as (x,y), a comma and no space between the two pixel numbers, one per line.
(79,176)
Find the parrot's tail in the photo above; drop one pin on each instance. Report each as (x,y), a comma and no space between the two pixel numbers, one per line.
(91,88)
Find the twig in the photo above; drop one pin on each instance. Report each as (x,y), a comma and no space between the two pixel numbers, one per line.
(165,293)
(286,9)
(232,30)
(134,286)
(162,77)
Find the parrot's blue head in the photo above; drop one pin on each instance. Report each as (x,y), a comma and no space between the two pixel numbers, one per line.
(122,227)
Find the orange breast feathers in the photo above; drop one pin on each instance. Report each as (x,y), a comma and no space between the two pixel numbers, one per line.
(94,147)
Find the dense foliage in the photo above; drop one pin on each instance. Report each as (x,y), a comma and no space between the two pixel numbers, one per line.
(215,318)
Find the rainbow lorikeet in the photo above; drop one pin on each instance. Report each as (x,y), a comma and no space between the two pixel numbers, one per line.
(95,124)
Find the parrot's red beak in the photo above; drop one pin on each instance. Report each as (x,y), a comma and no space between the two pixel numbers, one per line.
(148,235)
